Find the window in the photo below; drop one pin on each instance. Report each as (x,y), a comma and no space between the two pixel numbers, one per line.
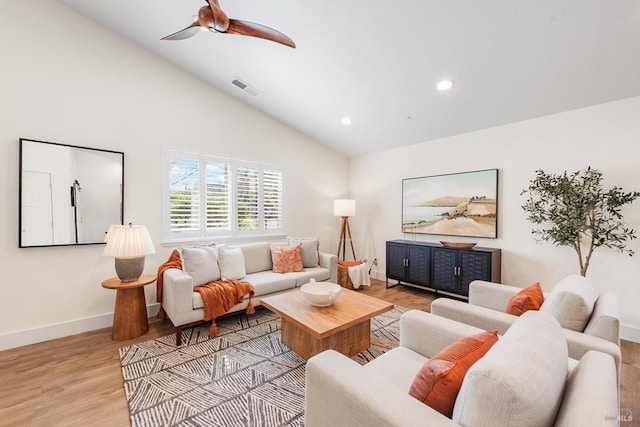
(208,197)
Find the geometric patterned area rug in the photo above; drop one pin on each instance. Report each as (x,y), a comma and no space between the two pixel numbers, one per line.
(243,377)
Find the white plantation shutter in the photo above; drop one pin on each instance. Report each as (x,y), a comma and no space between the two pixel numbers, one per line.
(247,198)
(184,196)
(208,197)
(272,199)
(218,193)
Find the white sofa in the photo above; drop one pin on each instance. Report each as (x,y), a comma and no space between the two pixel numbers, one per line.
(525,379)
(589,323)
(184,307)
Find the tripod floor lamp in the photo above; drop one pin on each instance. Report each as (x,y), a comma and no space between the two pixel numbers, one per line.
(345,208)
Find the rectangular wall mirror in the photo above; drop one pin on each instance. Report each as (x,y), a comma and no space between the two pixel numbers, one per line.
(69,195)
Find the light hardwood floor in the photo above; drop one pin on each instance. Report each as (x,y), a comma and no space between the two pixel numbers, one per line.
(76,380)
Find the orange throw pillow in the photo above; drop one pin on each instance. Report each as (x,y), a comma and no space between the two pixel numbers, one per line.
(286,259)
(438,382)
(529,298)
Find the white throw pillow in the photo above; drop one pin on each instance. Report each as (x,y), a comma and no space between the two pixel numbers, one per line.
(201,264)
(308,251)
(231,262)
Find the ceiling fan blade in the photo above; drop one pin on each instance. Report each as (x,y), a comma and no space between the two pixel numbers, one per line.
(220,19)
(258,30)
(185,33)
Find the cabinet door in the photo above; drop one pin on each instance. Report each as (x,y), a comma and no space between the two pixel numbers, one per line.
(396,255)
(419,271)
(473,266)
(445,263)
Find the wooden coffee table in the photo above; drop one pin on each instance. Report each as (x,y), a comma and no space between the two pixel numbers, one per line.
(344,326)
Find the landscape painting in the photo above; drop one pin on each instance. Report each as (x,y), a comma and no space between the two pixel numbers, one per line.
(459,204)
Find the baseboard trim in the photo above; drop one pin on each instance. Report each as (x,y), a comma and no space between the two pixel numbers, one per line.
(630,333)
(378,275)
(63,329)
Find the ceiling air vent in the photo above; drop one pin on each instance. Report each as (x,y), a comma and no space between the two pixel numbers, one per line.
(245,86)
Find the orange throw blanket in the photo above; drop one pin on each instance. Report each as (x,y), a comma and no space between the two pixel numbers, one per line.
(218,296)
(174,261)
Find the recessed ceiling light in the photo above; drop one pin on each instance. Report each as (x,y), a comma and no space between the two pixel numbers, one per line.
(445,84)
(346,121)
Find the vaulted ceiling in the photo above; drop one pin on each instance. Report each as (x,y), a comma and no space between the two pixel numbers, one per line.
(377,62)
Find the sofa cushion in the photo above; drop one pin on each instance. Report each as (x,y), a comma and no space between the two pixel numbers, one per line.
(571,302)
(318,273)
(286,259)
(520,381)
(529,298)
(399,366)
(309,251)
(267,282)
(231,261)
(257,257)
(201,264)
(438,382)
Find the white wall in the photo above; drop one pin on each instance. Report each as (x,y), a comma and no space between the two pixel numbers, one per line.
(605,137)
(63,79)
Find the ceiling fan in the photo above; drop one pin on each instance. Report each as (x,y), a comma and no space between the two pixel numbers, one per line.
(211,17)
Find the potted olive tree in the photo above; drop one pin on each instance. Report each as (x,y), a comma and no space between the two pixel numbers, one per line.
(575,210)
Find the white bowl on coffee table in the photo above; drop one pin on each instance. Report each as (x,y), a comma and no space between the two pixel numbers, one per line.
(320,294)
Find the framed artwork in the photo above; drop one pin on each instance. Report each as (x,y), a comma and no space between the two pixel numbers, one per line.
(458,204)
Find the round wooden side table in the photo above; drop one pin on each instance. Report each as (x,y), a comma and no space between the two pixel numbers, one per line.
(130,316)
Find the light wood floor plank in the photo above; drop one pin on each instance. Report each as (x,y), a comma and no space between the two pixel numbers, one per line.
(77,381)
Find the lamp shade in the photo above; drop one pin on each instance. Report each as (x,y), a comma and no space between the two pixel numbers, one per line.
(344,207)
(128,241)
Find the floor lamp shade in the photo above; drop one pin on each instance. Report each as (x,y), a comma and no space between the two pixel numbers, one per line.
(344,207)
(128,244)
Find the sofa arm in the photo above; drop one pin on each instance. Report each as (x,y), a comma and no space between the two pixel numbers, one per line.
(428,334)
(579,344)
(491,295)
(480,317)
(177,296)
(605,318)
(341,392)
(590,396)
(330,261)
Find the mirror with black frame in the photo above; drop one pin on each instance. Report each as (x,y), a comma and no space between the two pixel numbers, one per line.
(69,195)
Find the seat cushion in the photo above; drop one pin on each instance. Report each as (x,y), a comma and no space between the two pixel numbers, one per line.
(571,302)
(438,382)
(399,366)
(267,282)
(529,298)
(520,381)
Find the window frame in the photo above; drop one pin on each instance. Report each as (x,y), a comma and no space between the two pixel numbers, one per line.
(202,234)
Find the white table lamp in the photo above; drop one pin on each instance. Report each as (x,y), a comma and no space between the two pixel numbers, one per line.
(128,244)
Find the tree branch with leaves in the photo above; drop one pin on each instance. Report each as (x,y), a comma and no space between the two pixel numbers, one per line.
(575,210)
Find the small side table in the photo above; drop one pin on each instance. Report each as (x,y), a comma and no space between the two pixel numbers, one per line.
(130,316)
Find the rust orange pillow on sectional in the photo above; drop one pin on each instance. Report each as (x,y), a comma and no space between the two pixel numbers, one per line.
(438,382)
(286,259)
(529,298)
